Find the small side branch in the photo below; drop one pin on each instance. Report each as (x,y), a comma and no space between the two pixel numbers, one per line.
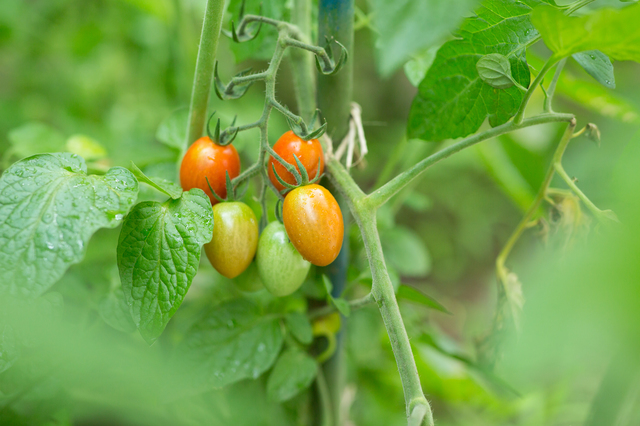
(519,117)
(552,86)
(600,214)
(385,192)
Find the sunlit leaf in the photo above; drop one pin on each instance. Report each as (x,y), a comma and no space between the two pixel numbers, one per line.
(453,101)
(49,209)
(615,33)
(158,255)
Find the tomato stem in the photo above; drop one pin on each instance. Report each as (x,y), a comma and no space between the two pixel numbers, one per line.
(377,198)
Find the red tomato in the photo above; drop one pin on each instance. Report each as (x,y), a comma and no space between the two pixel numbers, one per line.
(206,159)
(308,152)
(313,221)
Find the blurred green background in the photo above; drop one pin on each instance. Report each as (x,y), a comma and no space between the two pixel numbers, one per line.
(113,70)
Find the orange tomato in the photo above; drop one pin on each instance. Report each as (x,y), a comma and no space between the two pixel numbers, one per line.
(308,152)
(206,159)
(313,221)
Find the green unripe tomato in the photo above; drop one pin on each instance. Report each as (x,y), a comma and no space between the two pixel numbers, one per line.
(235,238)
(249,280)
(281,268)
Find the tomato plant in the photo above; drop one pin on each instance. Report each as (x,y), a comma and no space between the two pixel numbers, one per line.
(235,238)
(308,152)
(315,306)
(281,268)
(205,160)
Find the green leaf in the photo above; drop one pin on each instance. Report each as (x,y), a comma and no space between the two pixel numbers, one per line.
(615,33)
(171,189)
(172,131)
(416,68)
(412,294)
(49,209)
(327,284)
(594,97)
(495,70)
(293,373)
(158,255)
(299,326)
(453,101)
(233,341)
(35,138)
(342,306)
(405,252)
(597,65)
(85,147)
(9,350)
(113,310)
(405,27)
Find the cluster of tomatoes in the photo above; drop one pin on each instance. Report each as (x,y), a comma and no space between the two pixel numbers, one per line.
(312,228)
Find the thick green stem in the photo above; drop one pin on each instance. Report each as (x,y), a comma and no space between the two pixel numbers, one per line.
(335,19)
(304,81)
(386,299)
(385,192)
(204,69)
(382,289)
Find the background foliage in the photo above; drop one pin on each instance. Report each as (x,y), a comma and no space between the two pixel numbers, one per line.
(98,78)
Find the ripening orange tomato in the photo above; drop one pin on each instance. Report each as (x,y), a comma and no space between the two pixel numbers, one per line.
(313,220)
(203,159)
(308,152)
